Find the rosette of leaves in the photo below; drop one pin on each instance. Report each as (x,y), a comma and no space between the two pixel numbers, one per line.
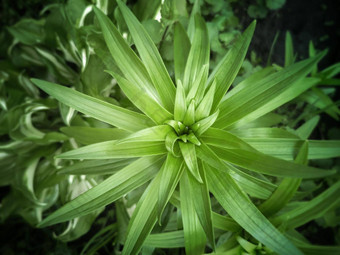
(185,141)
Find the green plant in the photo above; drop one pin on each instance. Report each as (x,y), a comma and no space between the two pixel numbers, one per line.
(193,138)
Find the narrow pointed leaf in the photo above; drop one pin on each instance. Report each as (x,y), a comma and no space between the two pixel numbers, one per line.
(189,155)
(98,109)
(232,199)
(226,71)
(198,87)
(262,163)
(286,190)
(267,94)
(199,53)
(307,128)
(204,108)
(171,173)
(310,210)
(289,50)
(125,58)
(96,167)
(224,139)
(90,135)
(114,187)
(189,117)
(181,50)
(193,232)
(202,204)
(151,58)
(180,104)
(143,219)
(143,100)
(203,125)
(146,142)
(174,239)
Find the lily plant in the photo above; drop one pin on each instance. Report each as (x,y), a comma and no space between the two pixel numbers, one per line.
(186,140)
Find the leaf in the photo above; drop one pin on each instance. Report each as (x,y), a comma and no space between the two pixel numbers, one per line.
(143,219)
(289,50)
(193,232)
(202,204)
(146,142)
(227,69)
(89,135)
(189,117)
(151,58)
(267,94)
(189,156)
(310,210)
(198,87)
(233,200)
(224,139)
(96,167)
(199,53)
(181,50)
(286,190)
(98,109)
(174,239)
(144,101)
(262,163)
(287,148)
(125,58)
(307,128)
(171,173)
(180,104)
(204,107)
(114,187)
(203,125)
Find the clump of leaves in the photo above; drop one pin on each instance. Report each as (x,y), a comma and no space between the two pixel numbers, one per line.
(188,141)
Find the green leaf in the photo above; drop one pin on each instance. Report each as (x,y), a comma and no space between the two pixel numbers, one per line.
(125,58)
(146,142)
(143,100)
(289,50)
(204,107)
(143,219)
(198,87)
(202,204)
(151,58)
(227,69)
(193,232)
(286,190)
(171,173)
(90,135)
(114,187)
(224,139)
(28,31)
(262,163)
(203,125)
(265,95)
(96,167)
(307,128)
(180,104)
(252,185)
(310,210)
(287,148)
(98,109)
(174,239)
(238,206)
(181,50)
(189,117)
(189,155)
(198,55)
